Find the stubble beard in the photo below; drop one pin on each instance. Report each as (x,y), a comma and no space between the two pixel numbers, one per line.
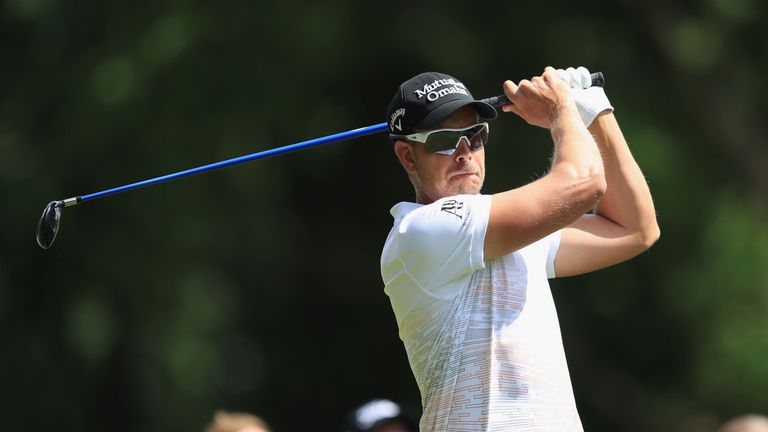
(467,188)
(428,194)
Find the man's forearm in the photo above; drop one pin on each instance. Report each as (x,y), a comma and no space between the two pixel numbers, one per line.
(574,146)
(627,200)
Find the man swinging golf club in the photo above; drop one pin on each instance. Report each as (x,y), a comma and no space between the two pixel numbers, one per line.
(467,273)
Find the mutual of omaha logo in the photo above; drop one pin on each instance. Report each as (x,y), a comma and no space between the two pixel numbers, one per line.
(453,207)
(440,88)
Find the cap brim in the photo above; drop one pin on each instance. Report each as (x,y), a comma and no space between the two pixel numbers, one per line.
(442,112)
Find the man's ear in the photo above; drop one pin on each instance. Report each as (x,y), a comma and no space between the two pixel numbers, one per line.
(406,154)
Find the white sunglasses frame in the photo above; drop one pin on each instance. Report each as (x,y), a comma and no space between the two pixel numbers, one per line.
(421,137)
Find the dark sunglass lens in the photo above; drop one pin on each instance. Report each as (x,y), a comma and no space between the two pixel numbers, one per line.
(441,141)
(445,142)
(478,138)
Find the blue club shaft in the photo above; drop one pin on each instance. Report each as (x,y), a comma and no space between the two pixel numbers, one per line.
(496,102)
(354,133)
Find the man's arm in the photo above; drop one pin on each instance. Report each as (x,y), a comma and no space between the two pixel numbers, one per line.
(624,224)
(576,181)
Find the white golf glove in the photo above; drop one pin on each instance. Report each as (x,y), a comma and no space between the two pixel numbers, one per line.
(590,101)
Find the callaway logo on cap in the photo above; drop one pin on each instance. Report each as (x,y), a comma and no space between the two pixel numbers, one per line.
(424,101)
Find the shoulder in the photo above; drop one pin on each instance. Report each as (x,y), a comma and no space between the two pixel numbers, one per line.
(452,226)
(448,213)
(434,244)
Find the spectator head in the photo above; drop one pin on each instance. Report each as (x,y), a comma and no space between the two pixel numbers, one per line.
(382,415)
(746,423)
(224,421)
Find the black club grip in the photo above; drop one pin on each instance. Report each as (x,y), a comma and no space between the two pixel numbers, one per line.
(497,102)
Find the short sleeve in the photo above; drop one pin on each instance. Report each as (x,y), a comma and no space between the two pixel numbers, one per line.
(443,241)
(553,241)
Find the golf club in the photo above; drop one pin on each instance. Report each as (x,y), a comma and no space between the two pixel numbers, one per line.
(50,221)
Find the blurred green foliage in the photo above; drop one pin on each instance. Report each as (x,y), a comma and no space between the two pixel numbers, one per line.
(257,288)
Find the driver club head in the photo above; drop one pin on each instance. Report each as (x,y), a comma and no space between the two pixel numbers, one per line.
(49,224)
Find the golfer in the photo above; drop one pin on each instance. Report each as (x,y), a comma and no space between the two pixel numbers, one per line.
(467,273)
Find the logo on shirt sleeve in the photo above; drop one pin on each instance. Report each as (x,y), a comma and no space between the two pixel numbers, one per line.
(453,207)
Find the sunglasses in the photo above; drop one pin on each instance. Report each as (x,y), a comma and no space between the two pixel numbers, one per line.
(446,141)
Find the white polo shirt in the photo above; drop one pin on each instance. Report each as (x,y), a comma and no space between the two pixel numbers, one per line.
(482,337)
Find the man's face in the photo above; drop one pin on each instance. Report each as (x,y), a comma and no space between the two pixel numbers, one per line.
(437,176)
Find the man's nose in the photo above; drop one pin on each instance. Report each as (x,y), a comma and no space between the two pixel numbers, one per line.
(463,154)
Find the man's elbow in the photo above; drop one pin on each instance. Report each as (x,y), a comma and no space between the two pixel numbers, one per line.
(586,185)
(599,185)
(593,187)
(649,236)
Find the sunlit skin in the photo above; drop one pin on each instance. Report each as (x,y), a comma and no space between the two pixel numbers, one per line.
(436,176)
(253,429)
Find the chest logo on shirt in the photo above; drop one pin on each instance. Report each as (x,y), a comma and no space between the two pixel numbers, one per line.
(453,207)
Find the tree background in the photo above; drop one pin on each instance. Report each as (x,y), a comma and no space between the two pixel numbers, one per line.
(257,288)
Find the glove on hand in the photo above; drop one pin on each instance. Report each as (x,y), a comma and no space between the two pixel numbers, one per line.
(590,101)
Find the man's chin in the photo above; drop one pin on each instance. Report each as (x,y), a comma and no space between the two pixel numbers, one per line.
(467,189)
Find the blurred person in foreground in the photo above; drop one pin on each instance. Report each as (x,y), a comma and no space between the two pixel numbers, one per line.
(746,423)
(382,415)
(224,421)
(467,273)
